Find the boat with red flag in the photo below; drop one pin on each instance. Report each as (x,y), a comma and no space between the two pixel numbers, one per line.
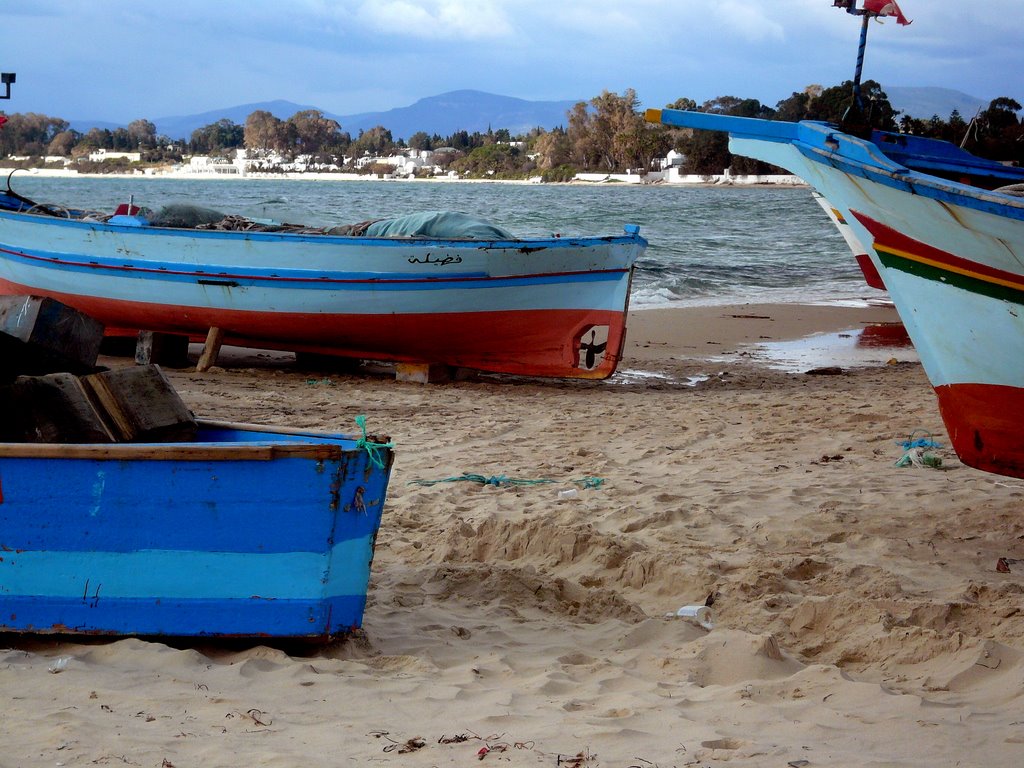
(950,254)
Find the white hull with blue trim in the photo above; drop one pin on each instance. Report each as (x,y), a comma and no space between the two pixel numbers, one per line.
(532,307)
(950,255)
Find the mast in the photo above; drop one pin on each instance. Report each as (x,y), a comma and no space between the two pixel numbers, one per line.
(857,100)
(855,121)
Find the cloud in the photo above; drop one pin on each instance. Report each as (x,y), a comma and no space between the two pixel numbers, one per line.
(744,19)
(436,19)
(125,59)
(591,19)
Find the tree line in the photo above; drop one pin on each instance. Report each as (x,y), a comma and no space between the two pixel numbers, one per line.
(605,134)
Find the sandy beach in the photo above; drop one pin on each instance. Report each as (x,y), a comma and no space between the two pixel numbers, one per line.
(859,618)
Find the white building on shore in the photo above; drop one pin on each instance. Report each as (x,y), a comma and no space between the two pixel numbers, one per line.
(105,154)
(670,171)
(205,165)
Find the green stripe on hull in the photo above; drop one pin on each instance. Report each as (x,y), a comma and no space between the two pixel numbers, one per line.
(948,277)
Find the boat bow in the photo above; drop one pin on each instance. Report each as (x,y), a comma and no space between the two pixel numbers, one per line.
(950,255)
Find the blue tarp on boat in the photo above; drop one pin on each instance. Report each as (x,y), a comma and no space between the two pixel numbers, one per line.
(442,225)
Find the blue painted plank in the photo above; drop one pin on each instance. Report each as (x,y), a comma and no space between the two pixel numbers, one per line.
(283,505)
(209,574)
(242,618)
(295,279)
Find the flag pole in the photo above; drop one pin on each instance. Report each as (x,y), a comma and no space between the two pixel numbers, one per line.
(854,120)
(857,100)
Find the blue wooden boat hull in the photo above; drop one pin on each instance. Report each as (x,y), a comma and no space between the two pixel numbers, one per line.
(245,533)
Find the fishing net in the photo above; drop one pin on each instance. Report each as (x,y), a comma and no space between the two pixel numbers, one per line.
(184,216)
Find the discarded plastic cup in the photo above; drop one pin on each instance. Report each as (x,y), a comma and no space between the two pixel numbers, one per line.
(698,613)
(569,493)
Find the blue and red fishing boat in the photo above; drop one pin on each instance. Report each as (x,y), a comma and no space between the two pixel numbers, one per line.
(490,302)
(950,254)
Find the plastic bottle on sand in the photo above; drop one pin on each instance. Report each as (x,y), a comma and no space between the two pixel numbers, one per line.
(701,614)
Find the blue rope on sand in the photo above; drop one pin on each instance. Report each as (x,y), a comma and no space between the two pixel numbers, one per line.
(503,481)
(372,449)
(495,480)
(915,451)
(921,442)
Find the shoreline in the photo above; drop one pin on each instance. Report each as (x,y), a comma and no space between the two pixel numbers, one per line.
(49,173)
(702,331)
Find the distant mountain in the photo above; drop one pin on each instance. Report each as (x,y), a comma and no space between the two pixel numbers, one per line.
(444,115)
(471,111)
(84,126)
(181,126)
(926,102)
(462,111)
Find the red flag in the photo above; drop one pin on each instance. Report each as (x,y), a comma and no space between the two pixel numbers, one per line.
(886,8)
(2,120)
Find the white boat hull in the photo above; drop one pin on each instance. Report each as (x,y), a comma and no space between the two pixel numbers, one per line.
(550,307)
(951,257)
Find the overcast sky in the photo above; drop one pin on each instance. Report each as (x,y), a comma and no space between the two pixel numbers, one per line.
(120,60)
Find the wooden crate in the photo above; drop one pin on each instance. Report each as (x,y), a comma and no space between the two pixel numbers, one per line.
(41,335)
(140,405)
(56,408)
(129,405)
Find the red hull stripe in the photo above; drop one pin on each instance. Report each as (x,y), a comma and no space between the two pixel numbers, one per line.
(986,425)
(522,342)
(871,276)
(898,245)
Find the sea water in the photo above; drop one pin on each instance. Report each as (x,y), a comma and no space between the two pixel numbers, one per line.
(708,244)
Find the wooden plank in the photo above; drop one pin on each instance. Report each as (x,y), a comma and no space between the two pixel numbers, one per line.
(271,430)
(173,451)
(167,349)
(41,335)
(264,449)
(55,408)
(211,349)
(423,373)
(141,405)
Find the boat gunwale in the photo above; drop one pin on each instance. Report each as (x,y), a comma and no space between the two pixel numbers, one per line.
(811,138)
(631,236)
(215,274)
(321,447)
(922,184)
